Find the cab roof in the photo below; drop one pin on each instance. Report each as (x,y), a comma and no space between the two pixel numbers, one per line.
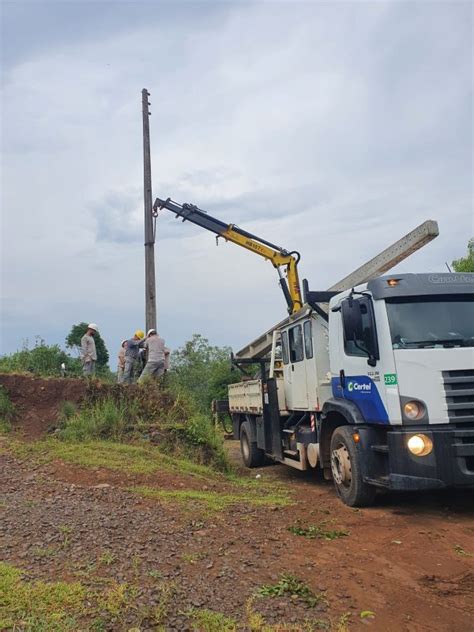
(426,284)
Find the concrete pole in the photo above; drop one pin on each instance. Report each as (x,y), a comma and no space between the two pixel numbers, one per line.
(150,285)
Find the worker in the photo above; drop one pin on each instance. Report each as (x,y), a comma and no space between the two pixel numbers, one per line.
(88,350)
(121,361)
(155,348)
(132,353)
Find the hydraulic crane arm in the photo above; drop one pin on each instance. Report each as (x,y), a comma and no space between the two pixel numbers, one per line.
(277,256)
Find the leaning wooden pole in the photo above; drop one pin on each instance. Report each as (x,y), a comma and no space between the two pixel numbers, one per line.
(150,284)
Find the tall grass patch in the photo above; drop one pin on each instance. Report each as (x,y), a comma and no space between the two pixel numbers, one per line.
(104,419)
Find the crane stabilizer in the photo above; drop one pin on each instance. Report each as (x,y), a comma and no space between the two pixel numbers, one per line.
(381,263)
(275,254)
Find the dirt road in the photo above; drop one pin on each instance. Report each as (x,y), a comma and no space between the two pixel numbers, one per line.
(161,563)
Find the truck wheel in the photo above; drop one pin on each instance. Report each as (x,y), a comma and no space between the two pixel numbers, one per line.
(252,455)
(347,472)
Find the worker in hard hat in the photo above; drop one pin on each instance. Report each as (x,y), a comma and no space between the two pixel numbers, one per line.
(132,353)
(88,350)
(121,361)
(155,359)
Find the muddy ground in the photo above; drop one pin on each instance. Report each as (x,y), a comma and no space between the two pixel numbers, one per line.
(408,561)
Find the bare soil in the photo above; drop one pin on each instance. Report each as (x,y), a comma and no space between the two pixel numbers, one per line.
(409,559)
(38,400)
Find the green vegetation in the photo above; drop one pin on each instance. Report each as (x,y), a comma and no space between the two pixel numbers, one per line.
(367,614)
(140,458)
(460,551)
(291,586)
(317,531)
(209,621)
(202,371)
(38,605)
(66,411)
(7,411)
(122,413)
(73,341)
(105,418)
(174,413)
(213,500)
(42,359)
(465,264)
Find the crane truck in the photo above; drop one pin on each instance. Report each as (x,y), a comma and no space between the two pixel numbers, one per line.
(371,381)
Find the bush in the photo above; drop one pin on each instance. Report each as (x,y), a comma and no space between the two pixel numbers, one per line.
(42,359)
(198,437)
(202,371)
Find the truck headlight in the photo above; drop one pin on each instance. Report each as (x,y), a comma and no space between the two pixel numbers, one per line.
(414,410)
(420,445)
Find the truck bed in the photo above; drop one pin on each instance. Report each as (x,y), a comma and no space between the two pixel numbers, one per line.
(247,397)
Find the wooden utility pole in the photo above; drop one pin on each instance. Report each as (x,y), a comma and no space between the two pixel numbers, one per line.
(150,285)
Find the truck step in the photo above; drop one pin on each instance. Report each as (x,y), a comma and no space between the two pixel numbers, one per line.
(382,481)
(380,448)
(291,453)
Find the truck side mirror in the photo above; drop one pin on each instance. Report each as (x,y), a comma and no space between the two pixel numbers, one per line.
(352,318)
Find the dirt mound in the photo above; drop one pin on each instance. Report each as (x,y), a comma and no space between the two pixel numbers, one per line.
(37,400)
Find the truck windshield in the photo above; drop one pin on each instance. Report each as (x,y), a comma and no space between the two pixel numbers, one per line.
(431,321)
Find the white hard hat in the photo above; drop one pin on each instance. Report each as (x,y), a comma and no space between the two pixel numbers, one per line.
(151,331)
(92,326)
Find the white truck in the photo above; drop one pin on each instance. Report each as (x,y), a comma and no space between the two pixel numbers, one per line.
(378,390)
(372,381)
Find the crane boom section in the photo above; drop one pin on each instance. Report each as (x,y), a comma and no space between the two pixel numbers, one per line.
(275,254)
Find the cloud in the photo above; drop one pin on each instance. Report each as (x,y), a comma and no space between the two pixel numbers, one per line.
(331,129)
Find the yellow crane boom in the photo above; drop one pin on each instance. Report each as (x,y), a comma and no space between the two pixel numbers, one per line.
(278,257)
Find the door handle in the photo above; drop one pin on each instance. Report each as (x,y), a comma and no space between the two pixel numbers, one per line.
(342,379)
(292,367)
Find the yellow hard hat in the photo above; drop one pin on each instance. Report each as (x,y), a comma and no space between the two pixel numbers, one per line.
(140,334)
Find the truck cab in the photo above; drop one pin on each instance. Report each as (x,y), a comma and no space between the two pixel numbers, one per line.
(402,371)
(377,388)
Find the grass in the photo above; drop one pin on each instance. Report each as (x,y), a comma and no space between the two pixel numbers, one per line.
(212,500)
(38,605)
(105,418)
(460,551)
(205,620)
(317,531)
(294,588)
(146,459)
(209,621)
(140,458)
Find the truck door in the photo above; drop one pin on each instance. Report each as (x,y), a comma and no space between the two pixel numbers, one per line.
(310,362)
(294,370)
(359,370)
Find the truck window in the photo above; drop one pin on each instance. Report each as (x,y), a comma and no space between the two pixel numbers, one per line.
(367,326)
(284,347)
(308,340)
(296,344)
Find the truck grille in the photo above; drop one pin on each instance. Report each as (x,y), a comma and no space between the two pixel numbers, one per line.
(459,389)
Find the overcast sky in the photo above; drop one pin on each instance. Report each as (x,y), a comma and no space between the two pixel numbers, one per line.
(330,128)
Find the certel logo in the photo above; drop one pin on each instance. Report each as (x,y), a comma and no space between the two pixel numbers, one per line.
(355,386)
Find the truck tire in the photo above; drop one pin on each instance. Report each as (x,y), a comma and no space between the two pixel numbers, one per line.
(347,471)
(252,456)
